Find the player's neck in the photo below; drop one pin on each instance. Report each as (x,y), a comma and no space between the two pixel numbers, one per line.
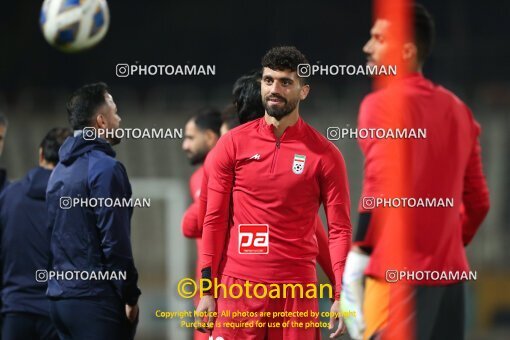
(46,165)
(279,126)
(415,67)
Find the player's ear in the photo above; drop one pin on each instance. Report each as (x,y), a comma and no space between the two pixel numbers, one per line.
(303,93)
(41,156)
(409,51)
(211,138)
(100,121)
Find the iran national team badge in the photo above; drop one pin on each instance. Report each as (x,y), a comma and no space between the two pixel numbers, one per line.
(299,164)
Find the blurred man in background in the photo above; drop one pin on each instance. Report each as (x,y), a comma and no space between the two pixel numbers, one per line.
(200,136)
(246,106)
(229,119)
(3,132)
(25,247)
(445,164)
(246,97)
(91,238)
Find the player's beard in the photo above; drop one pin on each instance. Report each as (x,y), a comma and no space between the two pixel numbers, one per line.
(112,137)
(279,112)
(198,157)
(114,141)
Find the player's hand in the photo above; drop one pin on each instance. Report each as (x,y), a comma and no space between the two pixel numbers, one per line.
(335,315)
(131,312)
(207,304)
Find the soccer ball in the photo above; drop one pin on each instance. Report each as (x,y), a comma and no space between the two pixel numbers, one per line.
(74,25)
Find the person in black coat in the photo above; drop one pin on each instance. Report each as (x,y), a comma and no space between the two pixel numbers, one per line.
(25,247)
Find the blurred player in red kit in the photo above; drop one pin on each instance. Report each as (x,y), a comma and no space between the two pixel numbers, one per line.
(200,136)
(278,170)
(445,164)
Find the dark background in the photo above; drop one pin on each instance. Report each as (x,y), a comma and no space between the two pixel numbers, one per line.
(471,41)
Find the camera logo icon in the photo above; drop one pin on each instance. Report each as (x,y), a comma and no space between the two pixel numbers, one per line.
(66,203)
(122,70)
(368,202)
(391,276)
(89,133)
(304,70)
(41,275)
(333,133)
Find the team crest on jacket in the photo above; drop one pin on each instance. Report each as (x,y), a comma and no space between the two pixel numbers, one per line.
(299,164)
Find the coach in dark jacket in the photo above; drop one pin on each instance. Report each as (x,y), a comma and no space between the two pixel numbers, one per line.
(25,247)
(91,239)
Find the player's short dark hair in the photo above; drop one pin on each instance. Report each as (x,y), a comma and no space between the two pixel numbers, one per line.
(3,120)
(83,104)
(52,142)
(246,97)
(284,58)
(424,31)
(229,117)
(208,119)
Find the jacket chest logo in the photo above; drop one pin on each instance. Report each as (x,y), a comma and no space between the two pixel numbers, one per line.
(298,165)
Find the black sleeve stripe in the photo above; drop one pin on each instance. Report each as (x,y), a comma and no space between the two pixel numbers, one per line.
(361,232)
(206,274)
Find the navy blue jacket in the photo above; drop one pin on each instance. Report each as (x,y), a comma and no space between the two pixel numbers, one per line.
(25,244)
(90,239)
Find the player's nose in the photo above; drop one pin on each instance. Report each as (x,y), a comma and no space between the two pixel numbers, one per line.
(367,48)
(275,88)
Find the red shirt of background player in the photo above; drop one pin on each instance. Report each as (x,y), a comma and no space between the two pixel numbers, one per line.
(190,226)
(445,164)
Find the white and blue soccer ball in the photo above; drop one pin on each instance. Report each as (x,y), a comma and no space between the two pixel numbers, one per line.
(74,25)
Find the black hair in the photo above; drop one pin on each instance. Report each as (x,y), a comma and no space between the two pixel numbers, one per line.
(284,58)
(424,31)
(52,143)
(3,120)
(229,117)
(83,104)
(246,97)
(208,119)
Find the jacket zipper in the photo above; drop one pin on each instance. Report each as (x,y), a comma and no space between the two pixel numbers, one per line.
(275,155)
